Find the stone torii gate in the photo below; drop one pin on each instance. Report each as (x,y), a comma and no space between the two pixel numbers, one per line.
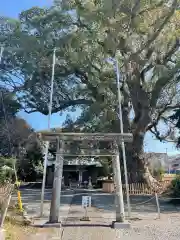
(60,138)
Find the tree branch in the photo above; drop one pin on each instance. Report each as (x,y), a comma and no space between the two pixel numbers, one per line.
(159,29)
(158,136)
(151,8)
(173,49)
(163,110)
(94,90)
(136,8)
(63,105)
(162,82)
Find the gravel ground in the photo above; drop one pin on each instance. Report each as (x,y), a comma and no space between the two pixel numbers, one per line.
(165,228)
(101,216)
(97,229)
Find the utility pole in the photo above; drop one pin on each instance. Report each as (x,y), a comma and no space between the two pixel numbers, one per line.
(115,63)
(122,143)
(49,126)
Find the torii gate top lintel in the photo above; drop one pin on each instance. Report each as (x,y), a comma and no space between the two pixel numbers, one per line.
(52,136)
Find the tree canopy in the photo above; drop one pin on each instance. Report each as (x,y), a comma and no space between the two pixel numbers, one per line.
(142,35)
(17,141)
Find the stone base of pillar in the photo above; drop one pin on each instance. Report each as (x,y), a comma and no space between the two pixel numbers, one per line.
(90,186)
(86,219)
(2,234)
(121,225)
(90,183)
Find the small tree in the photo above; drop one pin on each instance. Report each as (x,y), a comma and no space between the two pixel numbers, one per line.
(6,169)
(30,164)
(175,190)
(105,170)
(159,173)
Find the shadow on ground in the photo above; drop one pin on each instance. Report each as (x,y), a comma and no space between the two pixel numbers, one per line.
(101,201)
(86,225)
(138,203)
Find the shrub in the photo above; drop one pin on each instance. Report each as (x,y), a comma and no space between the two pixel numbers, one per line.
(175,187)
(175,191)
(6,169)
(159,173)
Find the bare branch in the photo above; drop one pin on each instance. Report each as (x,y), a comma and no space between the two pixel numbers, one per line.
(156,133)
(166,107)
(167,120)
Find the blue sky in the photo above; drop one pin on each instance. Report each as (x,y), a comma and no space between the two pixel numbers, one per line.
(12,8)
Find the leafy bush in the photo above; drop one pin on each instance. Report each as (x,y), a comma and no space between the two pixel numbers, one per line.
(175,187)
(159,173)
(6,169)
(174,191)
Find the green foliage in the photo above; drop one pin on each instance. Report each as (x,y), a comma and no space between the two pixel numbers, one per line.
(30,165)
(84,39)
(17,138)
(8,101)
(14,131)
(6,169)
(106,167)
(161,171)
(175,117)
(158,172)
(175,187)
(142,35)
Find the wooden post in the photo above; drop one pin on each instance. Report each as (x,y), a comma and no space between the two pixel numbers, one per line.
(158,207)
(5,211)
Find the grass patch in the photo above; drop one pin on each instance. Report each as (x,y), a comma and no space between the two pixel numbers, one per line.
(17,231)
(21,232)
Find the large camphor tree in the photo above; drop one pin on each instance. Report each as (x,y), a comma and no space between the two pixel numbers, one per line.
(142,35)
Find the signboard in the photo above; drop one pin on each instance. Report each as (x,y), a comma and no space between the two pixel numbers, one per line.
(86,201)
(169,175)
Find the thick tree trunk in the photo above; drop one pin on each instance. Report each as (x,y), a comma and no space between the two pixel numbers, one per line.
(137,165)
(136,161)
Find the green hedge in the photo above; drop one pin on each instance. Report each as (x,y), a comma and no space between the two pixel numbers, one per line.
(175,187)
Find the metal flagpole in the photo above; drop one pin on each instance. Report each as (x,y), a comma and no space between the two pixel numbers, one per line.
(49,125)
(122,144)
(169,165)
(1,53)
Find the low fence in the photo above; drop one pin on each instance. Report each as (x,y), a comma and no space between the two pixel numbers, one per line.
(144,189)
(5,197)
(138,189)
